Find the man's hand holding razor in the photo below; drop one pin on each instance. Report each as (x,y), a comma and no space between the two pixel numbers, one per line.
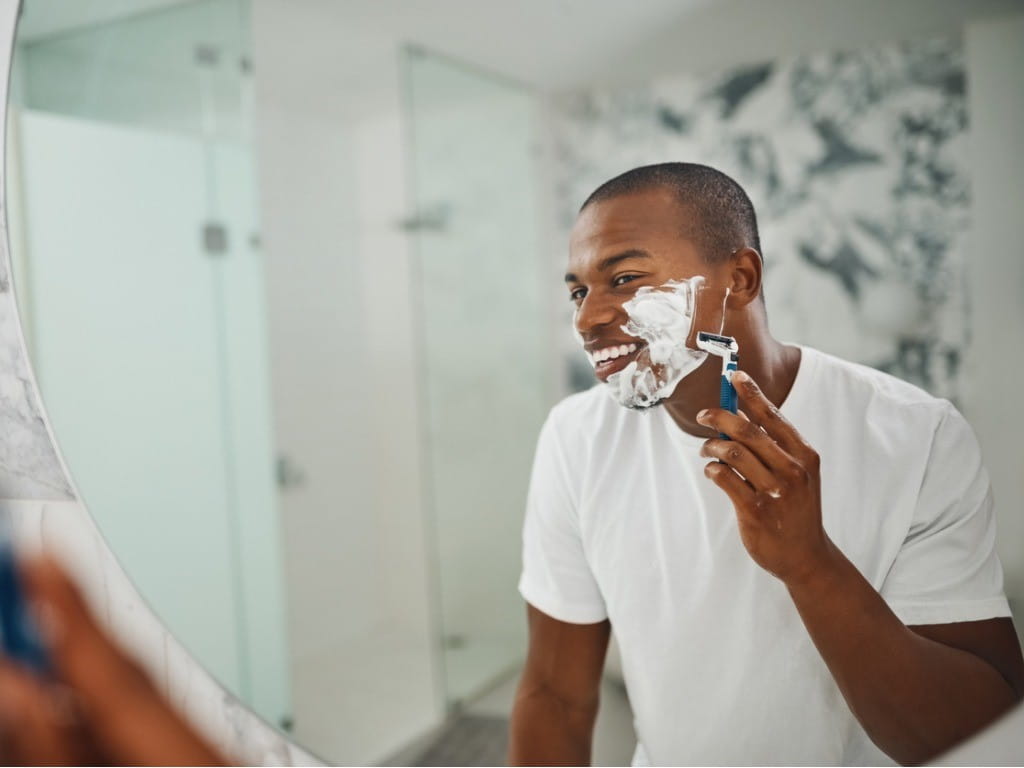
(772,477)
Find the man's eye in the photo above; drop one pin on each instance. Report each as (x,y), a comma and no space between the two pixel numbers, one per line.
(577,294)
(623,279)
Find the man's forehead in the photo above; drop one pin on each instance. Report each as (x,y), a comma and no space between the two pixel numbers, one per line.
(650,213)
(643,221)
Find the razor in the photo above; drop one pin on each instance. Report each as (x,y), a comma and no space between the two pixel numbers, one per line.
(726,348)
(20,639)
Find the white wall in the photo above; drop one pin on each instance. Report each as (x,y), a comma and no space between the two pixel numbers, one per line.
(724,33)
(331,160)
(995,67)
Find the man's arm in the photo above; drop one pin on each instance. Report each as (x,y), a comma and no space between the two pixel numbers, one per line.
(557,699)
(916,690)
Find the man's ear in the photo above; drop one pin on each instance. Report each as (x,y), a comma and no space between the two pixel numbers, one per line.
(746,273)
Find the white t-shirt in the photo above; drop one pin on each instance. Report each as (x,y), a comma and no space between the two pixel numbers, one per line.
(622,524)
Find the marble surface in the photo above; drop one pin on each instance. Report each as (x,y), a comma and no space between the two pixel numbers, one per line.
(38,496)
(29,464)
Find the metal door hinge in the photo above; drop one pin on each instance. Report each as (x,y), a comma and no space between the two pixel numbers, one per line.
(215,238)
(289,474)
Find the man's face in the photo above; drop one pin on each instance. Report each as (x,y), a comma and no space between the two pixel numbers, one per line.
(618,246)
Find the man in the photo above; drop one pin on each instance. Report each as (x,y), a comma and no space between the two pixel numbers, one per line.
(778,603)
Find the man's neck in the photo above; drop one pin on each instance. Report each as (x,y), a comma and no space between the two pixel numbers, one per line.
(771,364)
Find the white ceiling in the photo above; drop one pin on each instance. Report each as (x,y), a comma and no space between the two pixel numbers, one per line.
(548,43)
(557,44)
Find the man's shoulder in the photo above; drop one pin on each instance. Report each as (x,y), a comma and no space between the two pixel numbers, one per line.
(863,387)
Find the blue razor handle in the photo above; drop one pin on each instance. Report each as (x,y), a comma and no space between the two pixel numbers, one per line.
(727,399)
(20,636)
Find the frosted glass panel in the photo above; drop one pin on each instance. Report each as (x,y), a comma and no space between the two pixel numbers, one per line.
(140,275)
(120,329)
(252,504)
(483,324)
(143,70)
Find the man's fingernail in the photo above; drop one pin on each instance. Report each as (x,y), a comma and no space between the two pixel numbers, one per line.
(703,415)
(741,376)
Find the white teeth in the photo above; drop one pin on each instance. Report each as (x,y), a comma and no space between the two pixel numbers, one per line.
(610,353)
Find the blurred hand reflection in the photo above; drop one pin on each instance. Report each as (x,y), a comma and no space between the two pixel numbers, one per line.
(99,708)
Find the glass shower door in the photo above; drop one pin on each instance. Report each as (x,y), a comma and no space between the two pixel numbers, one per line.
(484,339)
(138,272)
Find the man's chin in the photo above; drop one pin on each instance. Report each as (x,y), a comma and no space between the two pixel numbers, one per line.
(633,406)
(647,407)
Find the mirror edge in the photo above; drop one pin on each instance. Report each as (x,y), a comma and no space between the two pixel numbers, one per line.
(46,476)
(48,514)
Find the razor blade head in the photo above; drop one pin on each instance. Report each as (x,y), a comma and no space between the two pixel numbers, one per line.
(717,344)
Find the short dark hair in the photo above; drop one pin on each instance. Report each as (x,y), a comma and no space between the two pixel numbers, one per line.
(725,218)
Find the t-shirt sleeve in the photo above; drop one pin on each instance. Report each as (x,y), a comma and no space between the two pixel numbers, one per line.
(947,569)
(556,577)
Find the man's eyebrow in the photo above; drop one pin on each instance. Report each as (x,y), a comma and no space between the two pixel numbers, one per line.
(611,261)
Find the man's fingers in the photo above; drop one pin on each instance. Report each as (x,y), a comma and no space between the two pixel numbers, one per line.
(741,459)
(125,714)
(734,486)
(35,726)
(81,653)
(763,413)
(745,431)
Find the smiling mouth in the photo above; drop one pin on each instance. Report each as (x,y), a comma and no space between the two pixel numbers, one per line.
(613,359)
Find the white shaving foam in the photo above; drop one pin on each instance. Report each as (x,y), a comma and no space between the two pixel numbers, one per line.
(663,318)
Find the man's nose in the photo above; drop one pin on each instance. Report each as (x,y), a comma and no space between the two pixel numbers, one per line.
(595,312)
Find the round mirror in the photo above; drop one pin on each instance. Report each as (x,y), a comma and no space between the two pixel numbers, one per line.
(290,275)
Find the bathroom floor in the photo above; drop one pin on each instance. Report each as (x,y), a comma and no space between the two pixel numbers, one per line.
(471,667)
(479,734)
(468,740)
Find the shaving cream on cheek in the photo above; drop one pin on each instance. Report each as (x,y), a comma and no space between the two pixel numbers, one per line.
(663,318)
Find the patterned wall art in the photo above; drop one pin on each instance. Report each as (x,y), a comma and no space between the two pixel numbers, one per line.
(857,166)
